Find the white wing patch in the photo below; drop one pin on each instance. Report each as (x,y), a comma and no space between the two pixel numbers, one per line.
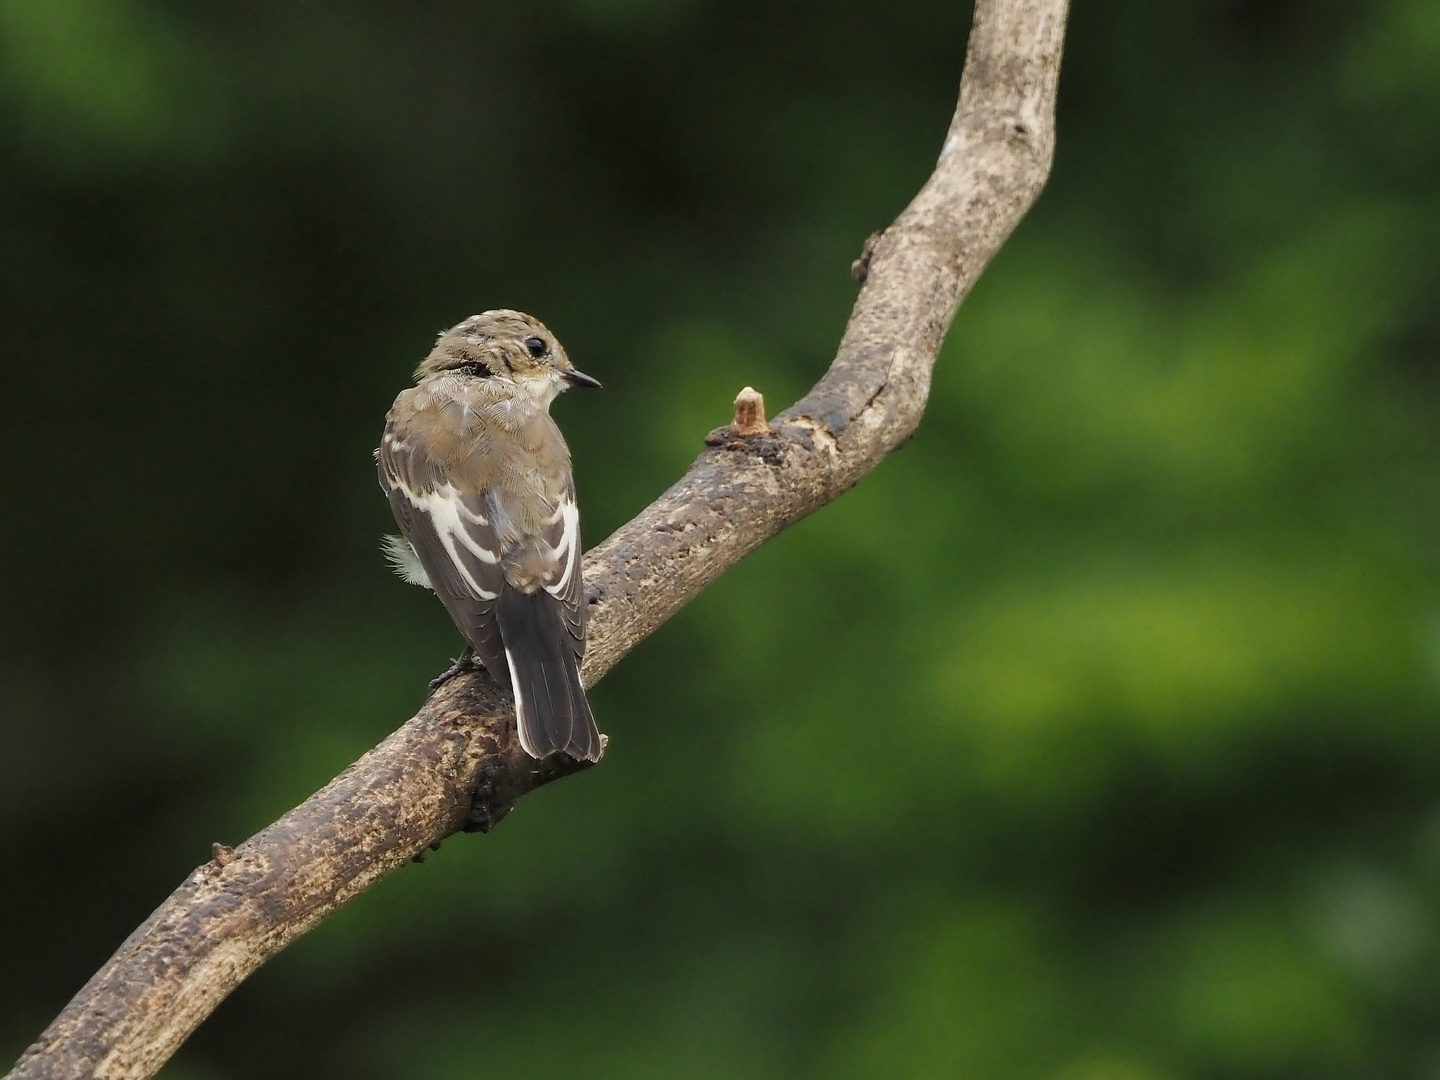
(403,560)
(448,516)
(569,546)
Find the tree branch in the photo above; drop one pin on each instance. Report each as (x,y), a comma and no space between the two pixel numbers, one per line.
(457,764)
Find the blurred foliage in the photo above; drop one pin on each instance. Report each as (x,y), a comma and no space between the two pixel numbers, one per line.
(1093,738)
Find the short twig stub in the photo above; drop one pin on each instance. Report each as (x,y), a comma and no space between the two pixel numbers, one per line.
(749,413)
(860,268)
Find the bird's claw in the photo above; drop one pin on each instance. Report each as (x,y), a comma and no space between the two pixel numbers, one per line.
(462,663)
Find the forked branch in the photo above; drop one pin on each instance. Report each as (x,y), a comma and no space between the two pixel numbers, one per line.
(457,764)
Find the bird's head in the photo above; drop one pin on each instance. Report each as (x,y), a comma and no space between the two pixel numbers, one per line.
(509,346)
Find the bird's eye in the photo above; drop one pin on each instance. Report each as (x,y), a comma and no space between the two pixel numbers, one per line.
(536,347)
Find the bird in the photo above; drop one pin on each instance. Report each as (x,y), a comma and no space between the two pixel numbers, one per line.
(478,477)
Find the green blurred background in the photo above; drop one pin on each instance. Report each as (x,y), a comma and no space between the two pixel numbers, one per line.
(1096,736)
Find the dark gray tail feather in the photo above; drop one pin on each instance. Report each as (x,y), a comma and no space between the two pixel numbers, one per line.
(545,673)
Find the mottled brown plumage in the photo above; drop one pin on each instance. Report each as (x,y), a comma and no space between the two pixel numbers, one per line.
(478,476)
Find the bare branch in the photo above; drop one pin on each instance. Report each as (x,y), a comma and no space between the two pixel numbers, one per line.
(457,764)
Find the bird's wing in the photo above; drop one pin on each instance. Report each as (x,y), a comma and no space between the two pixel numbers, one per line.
(544,638)
(563,536)
(453,538)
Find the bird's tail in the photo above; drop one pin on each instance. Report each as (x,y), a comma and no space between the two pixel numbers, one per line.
(550,702)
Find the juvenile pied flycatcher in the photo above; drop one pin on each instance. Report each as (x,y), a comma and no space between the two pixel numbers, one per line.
(478,477)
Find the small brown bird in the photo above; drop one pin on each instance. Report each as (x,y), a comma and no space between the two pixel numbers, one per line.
(478,477)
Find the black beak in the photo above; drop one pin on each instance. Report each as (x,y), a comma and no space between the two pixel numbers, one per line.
(579,378)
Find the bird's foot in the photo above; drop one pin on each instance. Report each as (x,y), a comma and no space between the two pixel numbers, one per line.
(461,664)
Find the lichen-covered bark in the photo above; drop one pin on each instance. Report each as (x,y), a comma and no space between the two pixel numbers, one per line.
(415,788)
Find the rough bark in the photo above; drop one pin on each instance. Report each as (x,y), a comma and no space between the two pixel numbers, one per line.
(457,764)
